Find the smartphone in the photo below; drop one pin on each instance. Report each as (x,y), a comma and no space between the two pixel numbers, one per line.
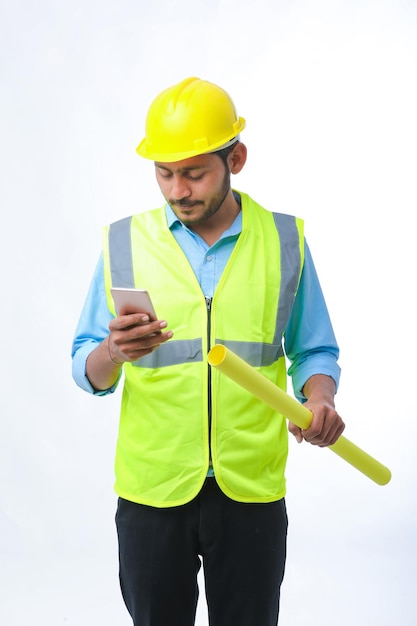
(132,301)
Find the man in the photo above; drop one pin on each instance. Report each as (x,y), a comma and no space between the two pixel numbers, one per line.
(200,462)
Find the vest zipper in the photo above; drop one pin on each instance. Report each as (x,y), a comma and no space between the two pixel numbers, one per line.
(209,406)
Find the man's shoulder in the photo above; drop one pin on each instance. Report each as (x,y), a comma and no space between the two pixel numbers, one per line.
(249,203)
(140,216)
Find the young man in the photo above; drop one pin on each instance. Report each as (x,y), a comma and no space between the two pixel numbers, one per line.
(200,462)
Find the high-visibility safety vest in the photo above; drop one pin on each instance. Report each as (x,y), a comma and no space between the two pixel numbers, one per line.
(177,413)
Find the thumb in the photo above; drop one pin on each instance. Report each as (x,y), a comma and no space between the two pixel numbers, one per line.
(296,431)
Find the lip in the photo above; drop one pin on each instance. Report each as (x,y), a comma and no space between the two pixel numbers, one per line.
(187,208)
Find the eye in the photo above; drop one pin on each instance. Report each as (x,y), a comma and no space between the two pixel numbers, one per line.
(164,173)
(193,178)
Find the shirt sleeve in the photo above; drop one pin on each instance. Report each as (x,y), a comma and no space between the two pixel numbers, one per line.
(92,328)
(309,340)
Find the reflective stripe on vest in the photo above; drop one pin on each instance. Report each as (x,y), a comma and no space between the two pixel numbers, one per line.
(185,351)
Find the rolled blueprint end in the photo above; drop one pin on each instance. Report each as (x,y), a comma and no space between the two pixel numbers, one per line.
(250,379)
(362,461)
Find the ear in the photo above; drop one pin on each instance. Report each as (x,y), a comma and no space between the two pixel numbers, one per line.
(237,158)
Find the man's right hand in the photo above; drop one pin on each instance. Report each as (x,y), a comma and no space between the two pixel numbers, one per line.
(134,336)
(131,337)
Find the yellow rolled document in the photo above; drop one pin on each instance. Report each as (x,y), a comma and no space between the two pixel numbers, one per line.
(250,379)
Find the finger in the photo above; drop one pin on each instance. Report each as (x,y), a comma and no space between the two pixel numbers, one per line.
(123,322)
(296,431)
(137,331)
(334,434)
(151,328)
(326,433)
(141,346)
(152,340)
(136,320)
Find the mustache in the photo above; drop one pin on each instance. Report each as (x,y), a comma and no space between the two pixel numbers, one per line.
(185,202)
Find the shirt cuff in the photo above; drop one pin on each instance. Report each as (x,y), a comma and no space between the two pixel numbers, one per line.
(79,371)
(319,365)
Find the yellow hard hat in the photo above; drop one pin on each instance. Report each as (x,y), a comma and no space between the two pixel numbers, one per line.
(193,117)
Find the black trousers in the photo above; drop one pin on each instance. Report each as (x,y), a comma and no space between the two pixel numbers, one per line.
(242,546)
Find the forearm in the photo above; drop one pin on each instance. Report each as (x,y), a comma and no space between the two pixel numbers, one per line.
(101,370)
(320,388)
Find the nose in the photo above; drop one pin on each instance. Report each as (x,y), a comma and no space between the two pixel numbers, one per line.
(180,188)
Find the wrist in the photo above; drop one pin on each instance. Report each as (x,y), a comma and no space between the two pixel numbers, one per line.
(320,388)
(112,359)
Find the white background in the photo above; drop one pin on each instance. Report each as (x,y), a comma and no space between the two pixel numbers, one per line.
(329,92)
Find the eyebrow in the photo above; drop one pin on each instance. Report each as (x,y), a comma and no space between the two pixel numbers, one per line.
(181,170)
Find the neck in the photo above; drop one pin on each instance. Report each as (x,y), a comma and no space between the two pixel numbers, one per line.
(212,229)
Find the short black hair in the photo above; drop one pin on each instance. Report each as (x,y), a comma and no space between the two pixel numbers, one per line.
(223,153)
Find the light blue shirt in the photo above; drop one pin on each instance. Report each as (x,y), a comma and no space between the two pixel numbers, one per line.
(309,341)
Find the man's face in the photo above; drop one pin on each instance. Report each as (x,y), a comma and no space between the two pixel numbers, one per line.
(195,188)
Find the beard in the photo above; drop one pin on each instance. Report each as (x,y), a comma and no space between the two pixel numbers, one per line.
(210,207)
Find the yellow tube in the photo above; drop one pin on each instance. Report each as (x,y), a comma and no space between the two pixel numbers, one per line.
(250,379)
